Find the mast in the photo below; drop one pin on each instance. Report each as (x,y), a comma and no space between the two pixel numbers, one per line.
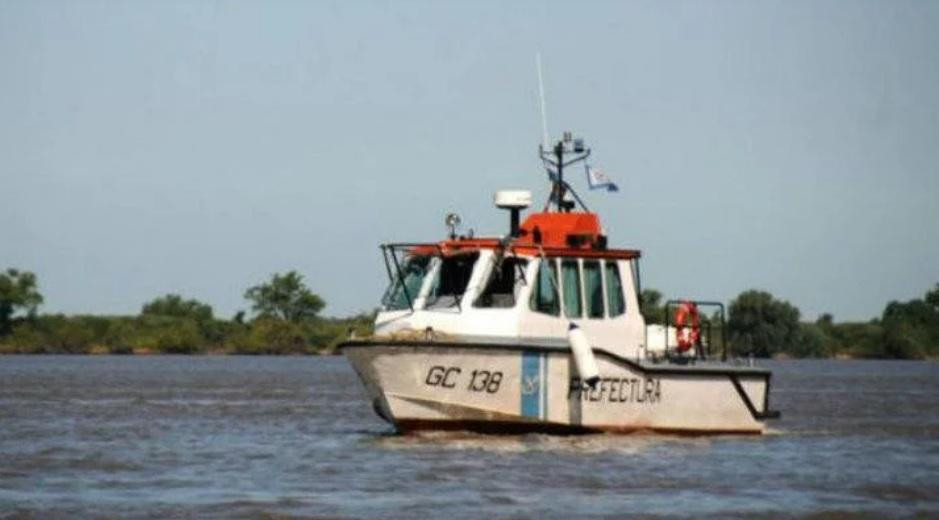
(555,164)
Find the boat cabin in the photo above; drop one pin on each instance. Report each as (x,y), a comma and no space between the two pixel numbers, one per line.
(541,330)
(527,287)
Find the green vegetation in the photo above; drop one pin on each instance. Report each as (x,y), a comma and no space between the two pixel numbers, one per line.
(173,305)
(17,293)
(650,301)
(285,298)
(287,322)
(761,325)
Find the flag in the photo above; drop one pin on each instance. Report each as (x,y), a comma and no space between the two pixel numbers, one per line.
(598,180)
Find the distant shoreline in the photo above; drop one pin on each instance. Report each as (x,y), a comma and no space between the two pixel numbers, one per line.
(336,352)
(156,353)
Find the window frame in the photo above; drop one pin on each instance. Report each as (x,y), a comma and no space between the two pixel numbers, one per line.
(520,281)
(536,287)
(398,286)
(580,287)
(434,303)
(603,303)
(624,306)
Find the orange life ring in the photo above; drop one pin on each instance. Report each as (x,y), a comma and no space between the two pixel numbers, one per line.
(687,335)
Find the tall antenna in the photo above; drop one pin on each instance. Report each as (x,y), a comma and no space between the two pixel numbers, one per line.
(544,117)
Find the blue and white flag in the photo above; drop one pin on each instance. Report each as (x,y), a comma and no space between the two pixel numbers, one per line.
(599,180)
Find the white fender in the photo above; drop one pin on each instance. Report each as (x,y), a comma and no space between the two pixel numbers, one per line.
(583,355)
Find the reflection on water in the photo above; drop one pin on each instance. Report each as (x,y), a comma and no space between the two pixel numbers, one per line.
(294,437)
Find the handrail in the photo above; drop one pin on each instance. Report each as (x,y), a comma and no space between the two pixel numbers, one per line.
(699,352)
(524,248)
(401,245)
(404,287)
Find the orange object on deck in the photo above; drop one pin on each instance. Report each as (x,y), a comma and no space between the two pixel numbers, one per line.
(687,335)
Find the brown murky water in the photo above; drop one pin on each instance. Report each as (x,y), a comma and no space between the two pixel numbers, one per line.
(261,437)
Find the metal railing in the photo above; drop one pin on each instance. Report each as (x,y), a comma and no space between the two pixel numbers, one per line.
(704,346)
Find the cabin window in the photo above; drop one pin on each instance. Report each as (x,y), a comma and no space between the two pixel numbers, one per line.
(505,281)
(614,290)
(406,286)
(544,296)
(451,280)
(593,288)
(570,273)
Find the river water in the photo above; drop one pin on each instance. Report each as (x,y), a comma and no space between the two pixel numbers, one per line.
(284,437)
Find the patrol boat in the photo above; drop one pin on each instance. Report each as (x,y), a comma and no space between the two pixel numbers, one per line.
(540,330)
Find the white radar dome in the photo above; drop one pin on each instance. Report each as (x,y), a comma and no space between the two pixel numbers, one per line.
(513,199)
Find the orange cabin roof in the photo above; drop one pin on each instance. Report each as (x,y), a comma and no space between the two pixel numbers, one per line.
(574,230)
(555,234)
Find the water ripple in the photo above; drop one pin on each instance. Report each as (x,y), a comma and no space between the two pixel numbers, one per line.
(229,437)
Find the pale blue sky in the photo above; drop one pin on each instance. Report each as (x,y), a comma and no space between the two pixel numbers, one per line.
(198,147)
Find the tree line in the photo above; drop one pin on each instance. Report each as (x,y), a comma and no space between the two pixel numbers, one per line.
(285,320)
(759,324)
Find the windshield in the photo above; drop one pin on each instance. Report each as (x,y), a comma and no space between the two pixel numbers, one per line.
(451,280)
(404,289)
(505,282)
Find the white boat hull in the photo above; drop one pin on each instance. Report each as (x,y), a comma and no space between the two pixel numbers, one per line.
(419,385)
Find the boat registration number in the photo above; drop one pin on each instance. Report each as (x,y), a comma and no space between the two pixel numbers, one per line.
(488,381)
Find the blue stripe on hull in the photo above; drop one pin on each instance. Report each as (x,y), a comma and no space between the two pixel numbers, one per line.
(544,386)
(531,384)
